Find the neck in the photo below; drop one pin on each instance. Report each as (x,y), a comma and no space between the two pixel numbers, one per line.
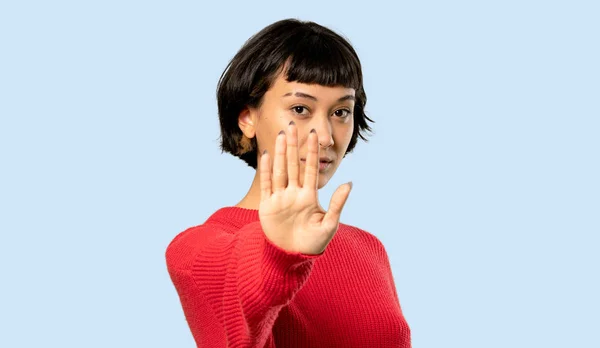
(252,198)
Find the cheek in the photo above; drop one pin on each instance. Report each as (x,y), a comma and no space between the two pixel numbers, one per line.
(269,127)
(343,134)
(266,138)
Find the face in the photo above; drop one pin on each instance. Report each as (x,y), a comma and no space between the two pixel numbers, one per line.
(329,110)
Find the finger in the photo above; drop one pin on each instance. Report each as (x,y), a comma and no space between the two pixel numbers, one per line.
(292,154)
(279,164)
(311,167)
(265,176)
(338,200)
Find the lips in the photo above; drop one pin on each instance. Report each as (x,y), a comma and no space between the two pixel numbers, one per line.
(324,163)
(322,160)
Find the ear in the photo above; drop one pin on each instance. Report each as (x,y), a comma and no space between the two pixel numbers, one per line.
(247,122)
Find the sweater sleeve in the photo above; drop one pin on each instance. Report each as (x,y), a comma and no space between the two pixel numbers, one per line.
(242,277)
(390,275)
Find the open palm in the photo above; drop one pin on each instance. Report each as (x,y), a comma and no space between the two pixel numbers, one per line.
(289,211)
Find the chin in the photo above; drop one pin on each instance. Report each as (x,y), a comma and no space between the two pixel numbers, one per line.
(323,180)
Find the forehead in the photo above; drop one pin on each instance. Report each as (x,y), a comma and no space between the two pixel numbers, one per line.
(281,87)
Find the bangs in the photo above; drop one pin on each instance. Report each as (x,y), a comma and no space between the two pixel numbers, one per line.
(322,60)
(303,52)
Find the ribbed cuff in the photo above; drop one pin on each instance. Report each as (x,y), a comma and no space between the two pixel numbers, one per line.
(268,273)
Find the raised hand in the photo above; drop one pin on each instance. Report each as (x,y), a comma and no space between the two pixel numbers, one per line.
(289,211)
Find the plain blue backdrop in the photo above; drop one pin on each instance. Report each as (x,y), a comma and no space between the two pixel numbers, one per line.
(481,179)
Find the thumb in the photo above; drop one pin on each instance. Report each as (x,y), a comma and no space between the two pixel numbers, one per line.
(338,200)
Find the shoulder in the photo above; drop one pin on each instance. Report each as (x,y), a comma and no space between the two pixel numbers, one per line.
(180,251)
(220,230)
(214,224)
(365,237)
(358,232)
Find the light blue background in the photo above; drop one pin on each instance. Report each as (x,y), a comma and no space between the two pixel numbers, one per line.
(481,179)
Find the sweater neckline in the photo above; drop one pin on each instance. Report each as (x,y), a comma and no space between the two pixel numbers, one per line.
(236,216)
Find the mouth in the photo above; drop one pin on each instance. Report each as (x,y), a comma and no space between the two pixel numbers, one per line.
(324,163)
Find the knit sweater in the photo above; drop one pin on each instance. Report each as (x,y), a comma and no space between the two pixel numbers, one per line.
(238,289)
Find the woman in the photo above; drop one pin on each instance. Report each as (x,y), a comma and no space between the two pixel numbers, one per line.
(277,270)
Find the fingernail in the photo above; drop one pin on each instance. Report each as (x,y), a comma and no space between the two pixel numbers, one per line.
(292,123)
(281,132)
(313,130)
(350,183)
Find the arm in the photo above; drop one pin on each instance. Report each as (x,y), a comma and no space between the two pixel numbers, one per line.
(245,277)
(386,261)
(242,278)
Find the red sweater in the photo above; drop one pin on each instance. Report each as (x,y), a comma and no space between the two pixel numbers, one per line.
(238,289)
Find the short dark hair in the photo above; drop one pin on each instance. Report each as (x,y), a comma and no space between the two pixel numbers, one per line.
(310,52)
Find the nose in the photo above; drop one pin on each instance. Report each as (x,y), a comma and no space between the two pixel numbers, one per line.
(323,129)
(326,143)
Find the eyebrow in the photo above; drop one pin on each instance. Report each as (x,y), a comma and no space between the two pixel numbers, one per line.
(308,96)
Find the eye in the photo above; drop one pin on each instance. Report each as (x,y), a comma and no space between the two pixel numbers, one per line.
(300,110)
(343,113)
